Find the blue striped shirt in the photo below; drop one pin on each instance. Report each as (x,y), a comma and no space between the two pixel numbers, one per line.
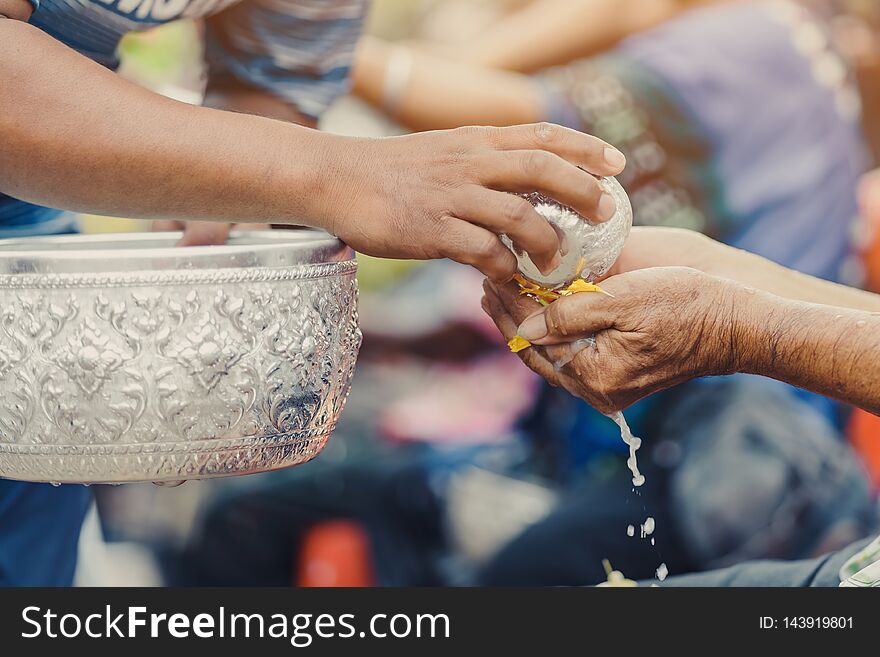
(298,50)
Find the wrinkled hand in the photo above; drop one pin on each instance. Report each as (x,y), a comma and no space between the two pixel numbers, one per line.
(442,194)
(202,233)
(662,327)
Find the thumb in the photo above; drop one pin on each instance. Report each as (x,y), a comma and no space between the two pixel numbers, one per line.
(569,319)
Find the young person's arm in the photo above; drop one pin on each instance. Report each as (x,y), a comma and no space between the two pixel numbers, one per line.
(76,136)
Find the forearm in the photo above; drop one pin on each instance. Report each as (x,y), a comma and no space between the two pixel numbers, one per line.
(443,94)
(831,351)
(76,136)
(757,272)
(552,32)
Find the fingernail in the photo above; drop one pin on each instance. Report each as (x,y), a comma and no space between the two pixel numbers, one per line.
(614,158)
(533,328)
(607,207)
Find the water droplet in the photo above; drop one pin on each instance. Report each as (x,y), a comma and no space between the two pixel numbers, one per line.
(662,572)
(652,540)
(861,323)
(55,483)
(648,527)
(630,530)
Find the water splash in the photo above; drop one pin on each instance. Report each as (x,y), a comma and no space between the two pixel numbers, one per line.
(633,442)
(662,572)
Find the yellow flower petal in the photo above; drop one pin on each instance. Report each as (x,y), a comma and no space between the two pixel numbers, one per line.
(540,292)
(518,343)
(524,283)
(580,285)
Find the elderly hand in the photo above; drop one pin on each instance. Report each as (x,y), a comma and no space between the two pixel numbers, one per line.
(663,326)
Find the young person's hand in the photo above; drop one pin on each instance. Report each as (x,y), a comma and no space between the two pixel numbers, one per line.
(444,194)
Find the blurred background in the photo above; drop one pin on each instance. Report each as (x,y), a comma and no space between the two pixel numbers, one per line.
(754,122)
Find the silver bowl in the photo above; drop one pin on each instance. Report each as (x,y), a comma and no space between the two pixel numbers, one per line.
(124,358)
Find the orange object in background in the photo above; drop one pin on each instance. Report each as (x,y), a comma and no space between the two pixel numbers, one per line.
(864,428)
(864,435)
(871,263)
(335,554)
(869,208)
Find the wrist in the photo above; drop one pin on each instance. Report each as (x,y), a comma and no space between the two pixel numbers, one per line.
(732,334)
(755,317)
(333,193)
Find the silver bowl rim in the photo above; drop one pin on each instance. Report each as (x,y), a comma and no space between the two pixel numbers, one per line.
(155,252)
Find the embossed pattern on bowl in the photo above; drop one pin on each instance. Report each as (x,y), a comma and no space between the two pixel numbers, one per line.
(125,359)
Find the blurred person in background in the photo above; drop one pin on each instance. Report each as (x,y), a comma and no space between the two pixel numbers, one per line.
(77,137)
(740,120)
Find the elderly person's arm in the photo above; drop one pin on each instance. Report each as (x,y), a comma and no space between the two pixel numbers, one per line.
(664,325)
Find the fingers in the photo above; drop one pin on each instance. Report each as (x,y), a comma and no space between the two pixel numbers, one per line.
(533,358)
(565,320)
(515,217)
(472,245)
(591,153)
(569,366)
(517,305)
(166,225)
(568,319)
(204,233)
(550,174)
(195,233)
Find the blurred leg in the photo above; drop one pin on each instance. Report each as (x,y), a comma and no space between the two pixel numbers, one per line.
(39,531)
